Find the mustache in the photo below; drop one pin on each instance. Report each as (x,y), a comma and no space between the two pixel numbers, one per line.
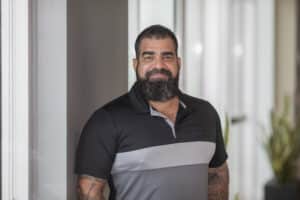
(158,71)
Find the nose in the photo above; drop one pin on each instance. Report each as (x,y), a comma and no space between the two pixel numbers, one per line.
(159,63)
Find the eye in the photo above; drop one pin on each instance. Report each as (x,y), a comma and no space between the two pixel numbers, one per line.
(168,57)
(148,58)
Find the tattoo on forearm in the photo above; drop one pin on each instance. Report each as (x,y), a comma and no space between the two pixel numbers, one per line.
(90,188)
(218,182)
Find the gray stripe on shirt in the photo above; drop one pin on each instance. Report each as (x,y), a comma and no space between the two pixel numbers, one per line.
(170,155)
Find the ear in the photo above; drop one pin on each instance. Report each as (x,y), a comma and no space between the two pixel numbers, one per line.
(135,63)
(179,62)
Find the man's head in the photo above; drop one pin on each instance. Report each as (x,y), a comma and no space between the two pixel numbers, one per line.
(156,64)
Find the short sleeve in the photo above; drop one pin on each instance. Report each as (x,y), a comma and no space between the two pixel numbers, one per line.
(97,146)
(220,154)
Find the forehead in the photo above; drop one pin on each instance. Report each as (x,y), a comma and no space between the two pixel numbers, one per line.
(152,44)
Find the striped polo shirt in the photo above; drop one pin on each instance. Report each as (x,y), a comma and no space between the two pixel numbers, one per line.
(145,156)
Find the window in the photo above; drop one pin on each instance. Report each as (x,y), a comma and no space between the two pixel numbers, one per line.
(227,52)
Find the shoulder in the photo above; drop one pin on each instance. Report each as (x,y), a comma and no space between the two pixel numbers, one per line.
(199,105)
(118,104)
(113,111)
(102,120)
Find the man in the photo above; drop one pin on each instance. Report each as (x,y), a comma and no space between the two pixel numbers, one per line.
(154,142)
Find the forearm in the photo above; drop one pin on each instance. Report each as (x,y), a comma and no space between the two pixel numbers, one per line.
(90,188)
(218,183)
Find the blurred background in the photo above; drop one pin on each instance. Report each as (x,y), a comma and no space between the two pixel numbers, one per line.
(62,59)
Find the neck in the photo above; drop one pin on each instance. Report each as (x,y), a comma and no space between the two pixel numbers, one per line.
(168,108)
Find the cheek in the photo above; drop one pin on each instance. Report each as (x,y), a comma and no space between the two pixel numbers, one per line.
(174,69)
(143,69)
(140,70)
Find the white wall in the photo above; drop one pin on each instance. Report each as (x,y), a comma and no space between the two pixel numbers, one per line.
(79,63)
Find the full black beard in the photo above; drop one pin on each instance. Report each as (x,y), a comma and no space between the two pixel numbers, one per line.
(160,89)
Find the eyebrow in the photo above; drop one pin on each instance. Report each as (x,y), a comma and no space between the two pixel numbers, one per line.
(167,53)
(148,53)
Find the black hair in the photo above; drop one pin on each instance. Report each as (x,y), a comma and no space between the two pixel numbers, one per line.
(155,31)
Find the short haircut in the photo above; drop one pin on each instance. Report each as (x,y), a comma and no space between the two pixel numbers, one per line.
(155,31)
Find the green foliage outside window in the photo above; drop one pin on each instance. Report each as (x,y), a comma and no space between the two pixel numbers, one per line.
(283,145)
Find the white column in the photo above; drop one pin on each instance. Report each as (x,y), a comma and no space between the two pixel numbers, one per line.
(14,86)
(193,48)
(133,30)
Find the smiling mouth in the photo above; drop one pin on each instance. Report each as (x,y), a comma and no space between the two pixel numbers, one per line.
(158,76)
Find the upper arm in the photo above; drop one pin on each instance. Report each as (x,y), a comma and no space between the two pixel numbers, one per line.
(95,154)
(218,182)
(97,146)
(89,187)
(220,154)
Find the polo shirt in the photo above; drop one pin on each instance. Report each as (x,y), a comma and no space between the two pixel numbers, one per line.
(145,156)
